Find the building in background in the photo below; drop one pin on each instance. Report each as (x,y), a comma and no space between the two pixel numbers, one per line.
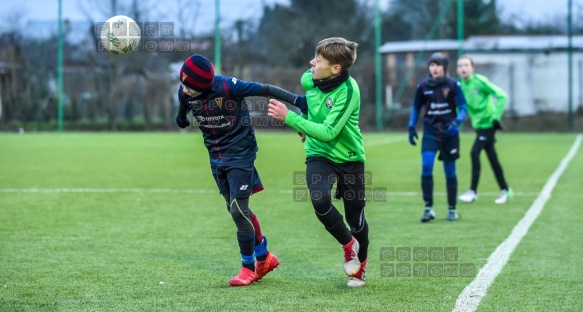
(533,70)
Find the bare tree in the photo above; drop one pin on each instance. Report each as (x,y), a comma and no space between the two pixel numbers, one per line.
(188,12)
(13,21)
(12,54)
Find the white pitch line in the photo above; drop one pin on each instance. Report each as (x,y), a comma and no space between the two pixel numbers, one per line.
(201,191)
(482,194)
(472,295)
(105,190)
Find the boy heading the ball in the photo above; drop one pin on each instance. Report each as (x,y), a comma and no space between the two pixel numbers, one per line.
(217,106)
(334,148)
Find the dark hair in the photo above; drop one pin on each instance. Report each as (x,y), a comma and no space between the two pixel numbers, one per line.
(440,59)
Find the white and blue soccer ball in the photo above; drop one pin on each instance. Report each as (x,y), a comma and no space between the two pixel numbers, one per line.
(120,35)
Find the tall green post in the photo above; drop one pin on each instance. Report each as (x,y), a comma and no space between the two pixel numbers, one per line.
(217,37)
(460,27)
(570,53)
(378,67)
(60,69)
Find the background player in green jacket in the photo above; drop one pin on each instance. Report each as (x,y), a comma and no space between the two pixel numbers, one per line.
(334,148)
(485,116)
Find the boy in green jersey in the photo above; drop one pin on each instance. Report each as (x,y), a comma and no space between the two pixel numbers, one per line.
(485,117)
(334,148)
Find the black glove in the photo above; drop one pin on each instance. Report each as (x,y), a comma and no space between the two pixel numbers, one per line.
(412,135)
(496,125)
(303,136)
(182,123)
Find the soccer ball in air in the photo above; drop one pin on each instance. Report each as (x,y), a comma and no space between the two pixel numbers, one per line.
(120,35)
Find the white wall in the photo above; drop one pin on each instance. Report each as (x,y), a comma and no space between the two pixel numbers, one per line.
(534,81)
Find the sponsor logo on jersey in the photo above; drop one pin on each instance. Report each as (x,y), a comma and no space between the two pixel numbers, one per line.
(219,101)
(214,122)
(244,187)
(329,103)
(445,91)
(438,109)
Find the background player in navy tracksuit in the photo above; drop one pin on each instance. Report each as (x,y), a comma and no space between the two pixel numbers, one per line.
(444,108)
(218,110)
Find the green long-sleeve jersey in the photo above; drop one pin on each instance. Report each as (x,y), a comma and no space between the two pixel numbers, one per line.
(479,92)
(331,125)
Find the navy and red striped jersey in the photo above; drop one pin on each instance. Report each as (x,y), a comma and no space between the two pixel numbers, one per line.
(223,118)
(439,103)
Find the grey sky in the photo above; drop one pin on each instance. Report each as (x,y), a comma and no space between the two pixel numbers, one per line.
(232,10)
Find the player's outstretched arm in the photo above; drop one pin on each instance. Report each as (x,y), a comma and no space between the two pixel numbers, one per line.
(286,96)
(325,131)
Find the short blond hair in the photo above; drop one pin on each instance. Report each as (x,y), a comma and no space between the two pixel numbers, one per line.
(337,50)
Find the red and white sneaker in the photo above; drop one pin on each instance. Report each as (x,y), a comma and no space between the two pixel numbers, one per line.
(244,278)
(358,279)
(351,263)
(263,267)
